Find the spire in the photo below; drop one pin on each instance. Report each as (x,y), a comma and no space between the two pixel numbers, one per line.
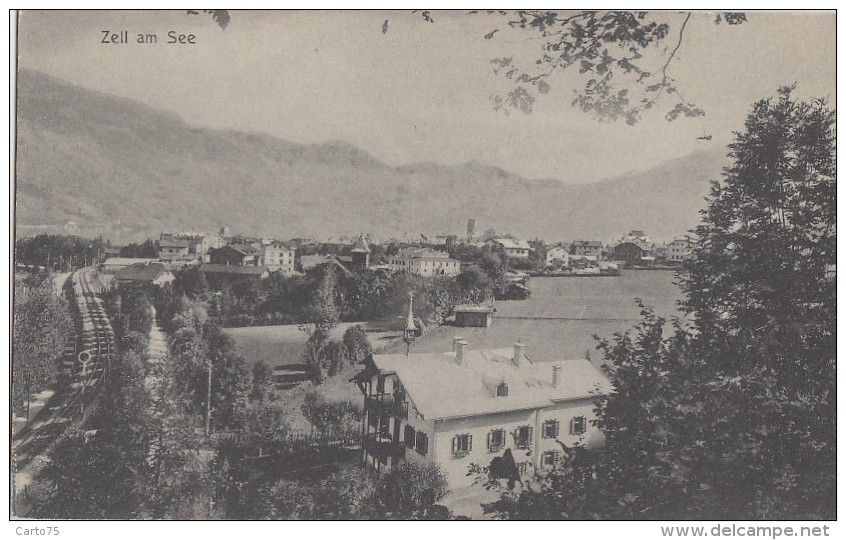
(409,323)
(410,332)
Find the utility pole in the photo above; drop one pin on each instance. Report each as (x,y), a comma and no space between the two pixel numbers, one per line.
(208,399)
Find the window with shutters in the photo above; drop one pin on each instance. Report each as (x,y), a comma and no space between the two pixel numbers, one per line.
(462,444)
(550,429)
(578,425)
(409,436)
(524,437)
(422,443)
(549,459)
(496,440)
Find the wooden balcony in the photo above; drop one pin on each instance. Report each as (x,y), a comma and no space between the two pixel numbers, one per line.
(382,447)
(389,403)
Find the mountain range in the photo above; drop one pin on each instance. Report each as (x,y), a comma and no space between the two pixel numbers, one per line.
(115,166)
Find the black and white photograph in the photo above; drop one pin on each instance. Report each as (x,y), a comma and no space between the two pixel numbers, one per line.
(438,265)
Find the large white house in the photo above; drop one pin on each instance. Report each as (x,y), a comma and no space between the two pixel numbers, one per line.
(493,408)
(425,262)
(678,250)
(277,255)
(515,249)
(557,254)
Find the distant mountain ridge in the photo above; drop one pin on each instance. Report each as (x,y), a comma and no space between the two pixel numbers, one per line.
(99,160)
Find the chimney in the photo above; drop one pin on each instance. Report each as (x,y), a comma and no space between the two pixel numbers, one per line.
(455,341)
(460,350)
(556,375)
(518,354)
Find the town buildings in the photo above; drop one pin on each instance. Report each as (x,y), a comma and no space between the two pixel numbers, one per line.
(424,262)
(678,250)
(557,255)
(634,253)
(278,256)
(235,255)
(219,275)
(589,248)
(361,253)
(141,272)
(492,408)
(515,249)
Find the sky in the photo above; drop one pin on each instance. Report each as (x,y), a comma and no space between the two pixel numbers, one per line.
(420,92)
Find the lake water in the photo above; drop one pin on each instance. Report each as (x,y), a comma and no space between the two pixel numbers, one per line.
(557,322)
(560,319)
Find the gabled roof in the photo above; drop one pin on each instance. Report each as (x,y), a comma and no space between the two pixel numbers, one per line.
(415,253)
(125,261)
(588,243)
(640,244)
(278,244)
(511,243)
(243,249)
(141,272)
(441,388)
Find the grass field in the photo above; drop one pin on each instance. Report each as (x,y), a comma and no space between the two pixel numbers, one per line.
(284,344)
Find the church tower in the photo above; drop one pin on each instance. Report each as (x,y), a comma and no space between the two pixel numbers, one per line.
(361,253)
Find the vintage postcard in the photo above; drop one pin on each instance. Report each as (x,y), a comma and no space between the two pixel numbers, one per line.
(425,265)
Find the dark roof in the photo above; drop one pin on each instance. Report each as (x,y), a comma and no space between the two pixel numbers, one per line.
(639,244)
(140,272)
(280,245)
(240,248)
(232,269)
(174,243)
(588,243)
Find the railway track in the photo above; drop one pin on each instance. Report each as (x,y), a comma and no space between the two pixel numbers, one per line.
(89,361)
(85,364)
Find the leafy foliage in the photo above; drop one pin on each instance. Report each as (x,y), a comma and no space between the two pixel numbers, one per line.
(357,344)
(58,252)
(618,55)
(40,328)
(149,249)
(410,490)
(732,415)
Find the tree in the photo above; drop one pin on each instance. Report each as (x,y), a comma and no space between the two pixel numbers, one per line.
(350,494)
(100,473)
(357,344)
(731,416)
(334,418)
(262,378)
(324,318)
(191,282)
(231,378)
(762,286)
(149,249)
(624,69)
(39,331)
(411,490)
